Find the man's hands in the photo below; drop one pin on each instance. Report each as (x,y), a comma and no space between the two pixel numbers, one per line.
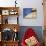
(32,41)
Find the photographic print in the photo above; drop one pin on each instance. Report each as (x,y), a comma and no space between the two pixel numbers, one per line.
(29,13)
(5,12)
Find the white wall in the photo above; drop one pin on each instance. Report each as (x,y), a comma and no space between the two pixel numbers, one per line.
(32,4)
(7,3)
(27,4)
